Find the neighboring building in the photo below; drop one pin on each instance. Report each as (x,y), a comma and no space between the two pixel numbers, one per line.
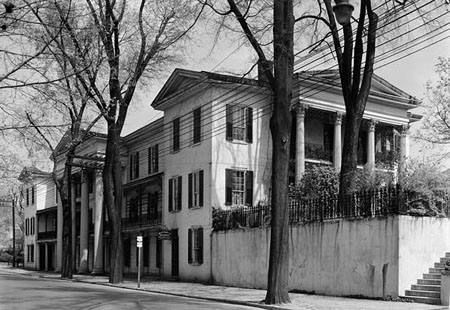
(40,219)
(212,149)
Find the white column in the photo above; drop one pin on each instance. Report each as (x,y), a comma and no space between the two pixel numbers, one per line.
(84,223)
(73,205)
(404,143)
(98,224)
(59,231)
(371,145)
(300,156)
(337,149)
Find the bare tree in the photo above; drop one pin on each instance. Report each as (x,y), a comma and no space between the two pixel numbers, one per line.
(128,41)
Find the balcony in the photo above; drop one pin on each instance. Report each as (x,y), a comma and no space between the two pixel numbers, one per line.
(46,235)
(145,220)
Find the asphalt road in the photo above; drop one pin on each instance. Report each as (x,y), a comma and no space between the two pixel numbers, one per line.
(25,292)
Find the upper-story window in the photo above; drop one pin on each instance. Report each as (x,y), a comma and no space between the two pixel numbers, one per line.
(176,134)
(134,166)
(175,194)
(195,187)
(239,123)
(28,196)
(239,187)
(197,115)
(153,159)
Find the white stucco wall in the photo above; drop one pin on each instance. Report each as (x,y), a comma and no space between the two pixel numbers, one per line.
(422,241)
(343,257)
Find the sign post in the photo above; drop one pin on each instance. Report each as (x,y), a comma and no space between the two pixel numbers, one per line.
(139,246)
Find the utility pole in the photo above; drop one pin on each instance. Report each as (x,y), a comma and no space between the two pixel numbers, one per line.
(14,231)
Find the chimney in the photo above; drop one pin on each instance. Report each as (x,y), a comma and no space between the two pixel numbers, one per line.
(261,73)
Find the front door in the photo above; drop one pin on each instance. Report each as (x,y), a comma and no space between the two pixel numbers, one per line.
(175,259)
(42,256)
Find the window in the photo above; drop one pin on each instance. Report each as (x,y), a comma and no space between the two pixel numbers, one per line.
(32,195)
(30,254)
(134,166)
(175,194)
(127,252)
(134,208)
(26,227)
(152,206)
(195,181)
(195,245)
(153,159)
(28,196)
(32,226)
(197,126)
(146,249)
(239,123)
(176,134)
(239,187)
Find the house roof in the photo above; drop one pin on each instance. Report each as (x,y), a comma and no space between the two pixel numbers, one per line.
(64,143)
(182,81)
(28,173)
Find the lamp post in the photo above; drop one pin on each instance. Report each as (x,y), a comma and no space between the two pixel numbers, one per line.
(343,11)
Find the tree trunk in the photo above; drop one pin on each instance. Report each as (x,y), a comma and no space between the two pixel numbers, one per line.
(112,184)
(66,198)
(280,127)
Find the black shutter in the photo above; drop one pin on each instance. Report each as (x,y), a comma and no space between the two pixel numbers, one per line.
(179,193)
(136,175)
(146,251)
(249,188)
(149,156)
(131,167)
(228,186)
(156,154)
(190,190)
(189,245)
(200,188)
(32,195)
(229,130)
(200,246)
(249,125)
(197,125)
(127,252)
(170,195)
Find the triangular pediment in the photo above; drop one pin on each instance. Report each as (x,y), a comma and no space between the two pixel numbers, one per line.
(180,80)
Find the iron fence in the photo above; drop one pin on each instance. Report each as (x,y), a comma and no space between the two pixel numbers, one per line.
(364,204)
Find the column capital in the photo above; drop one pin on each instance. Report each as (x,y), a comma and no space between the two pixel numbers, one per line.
(338,118)
(404,130)
(371,124)
(84,176)
(301,109)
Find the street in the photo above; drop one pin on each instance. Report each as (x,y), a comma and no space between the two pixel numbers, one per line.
(25,292)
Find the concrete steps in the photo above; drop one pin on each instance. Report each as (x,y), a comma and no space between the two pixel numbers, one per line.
(428,289)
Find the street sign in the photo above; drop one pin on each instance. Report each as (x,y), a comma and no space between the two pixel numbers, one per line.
(165,235)
(139,241)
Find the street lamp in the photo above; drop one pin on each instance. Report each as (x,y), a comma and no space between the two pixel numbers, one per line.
(343,11)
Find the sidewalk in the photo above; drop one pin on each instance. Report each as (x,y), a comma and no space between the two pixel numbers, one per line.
(250,297)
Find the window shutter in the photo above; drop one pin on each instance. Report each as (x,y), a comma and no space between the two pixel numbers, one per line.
(200,246)
(136,174)
(197,125)
(179,193)
(32,195)
(229,129)
(146,251)
(190,190)
(228,186)
(200,188)
(131,167)
(170,195)
(149,156)
(249,188)
(249,125)
(156,154)
(189,245)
